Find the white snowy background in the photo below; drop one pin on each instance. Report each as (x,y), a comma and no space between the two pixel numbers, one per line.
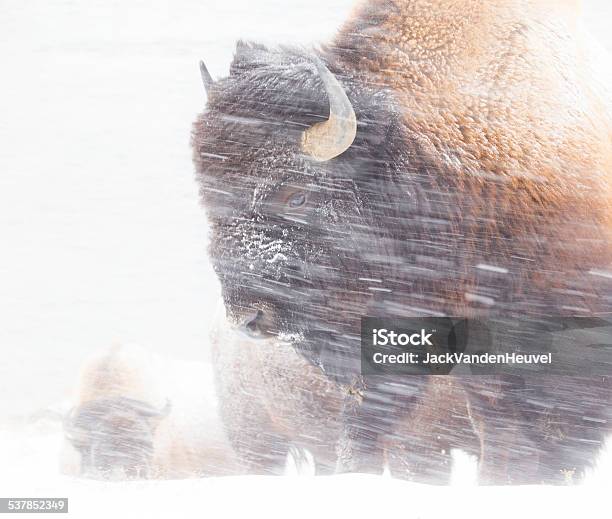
(102,240)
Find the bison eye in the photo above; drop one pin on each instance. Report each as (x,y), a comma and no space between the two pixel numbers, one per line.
(296,200)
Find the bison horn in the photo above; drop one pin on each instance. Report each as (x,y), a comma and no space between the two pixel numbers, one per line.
(328,139)
(206,77)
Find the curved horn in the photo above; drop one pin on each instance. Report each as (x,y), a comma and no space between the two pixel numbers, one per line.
(207,79)
(328,139)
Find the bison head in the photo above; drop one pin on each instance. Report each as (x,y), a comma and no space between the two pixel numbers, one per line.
(298,167)
(114,436)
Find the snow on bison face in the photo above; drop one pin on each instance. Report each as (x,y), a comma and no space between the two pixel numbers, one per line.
(304,238)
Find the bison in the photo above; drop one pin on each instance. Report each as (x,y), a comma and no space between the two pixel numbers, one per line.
(123,427)
(449,158)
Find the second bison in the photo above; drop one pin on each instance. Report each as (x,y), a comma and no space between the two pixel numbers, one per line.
(139,416)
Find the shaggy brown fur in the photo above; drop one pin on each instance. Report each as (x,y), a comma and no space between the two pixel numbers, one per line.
(509,96)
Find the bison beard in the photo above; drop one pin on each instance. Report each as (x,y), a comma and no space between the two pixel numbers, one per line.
(395,226)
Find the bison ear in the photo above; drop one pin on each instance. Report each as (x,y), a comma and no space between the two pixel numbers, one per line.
(248,56)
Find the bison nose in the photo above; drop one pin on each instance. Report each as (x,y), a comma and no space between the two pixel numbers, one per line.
(253,325)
